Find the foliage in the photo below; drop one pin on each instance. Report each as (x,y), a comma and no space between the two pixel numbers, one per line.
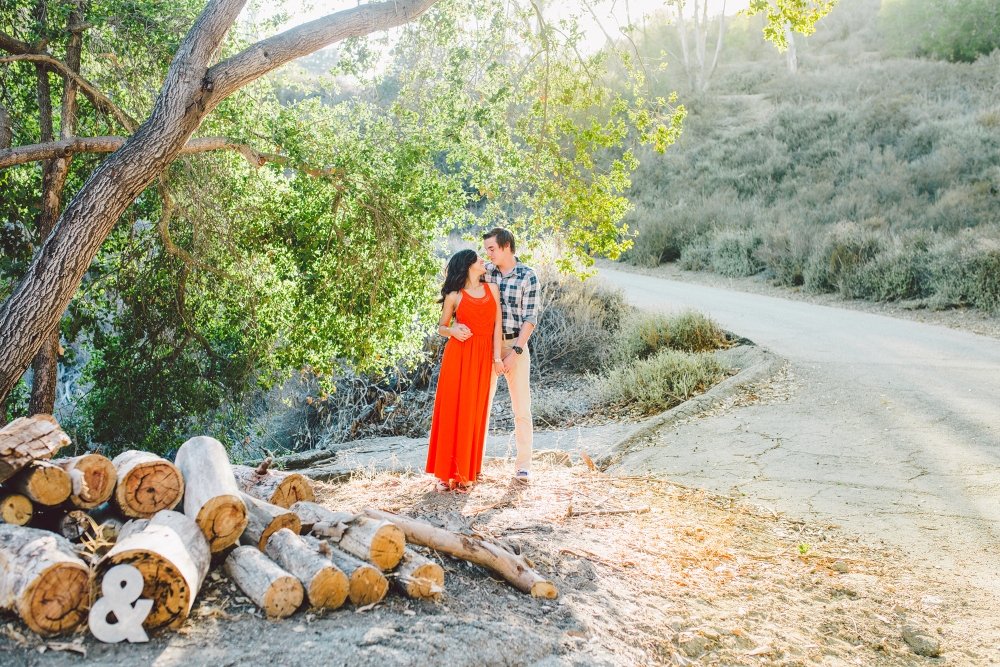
(798,15)
(661,381)
(958,30)
(853,176)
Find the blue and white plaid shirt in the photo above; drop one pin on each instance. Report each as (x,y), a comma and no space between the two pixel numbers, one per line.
(518,295)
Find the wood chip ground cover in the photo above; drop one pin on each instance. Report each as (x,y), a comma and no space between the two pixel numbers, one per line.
(687,577)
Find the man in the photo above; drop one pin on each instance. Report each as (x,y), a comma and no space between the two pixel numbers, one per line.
(519,304)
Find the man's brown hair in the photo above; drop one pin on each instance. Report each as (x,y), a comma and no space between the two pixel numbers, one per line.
(504,237)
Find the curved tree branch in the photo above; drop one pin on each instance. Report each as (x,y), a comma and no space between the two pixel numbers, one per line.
(96,97)
(163,227)
(14,45)
(109,144)
(269,54)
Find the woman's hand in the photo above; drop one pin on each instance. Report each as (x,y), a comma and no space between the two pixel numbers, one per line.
(461,332)
(498,368)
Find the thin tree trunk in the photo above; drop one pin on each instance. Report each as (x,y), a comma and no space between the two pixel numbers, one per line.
(718,47)
(190,91)
(684,46)
(791,58)
(46,363)
(6,136)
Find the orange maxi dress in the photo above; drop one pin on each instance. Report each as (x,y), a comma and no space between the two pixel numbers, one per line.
(461,406)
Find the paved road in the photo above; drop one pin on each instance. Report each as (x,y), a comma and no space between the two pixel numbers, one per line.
(893,431)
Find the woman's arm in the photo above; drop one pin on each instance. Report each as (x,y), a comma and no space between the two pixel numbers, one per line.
(459,331)
(497,329)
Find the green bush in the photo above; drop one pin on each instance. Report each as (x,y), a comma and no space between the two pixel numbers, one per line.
(734,254)
(844,250)
(697,257)
(645,334)
(661,381)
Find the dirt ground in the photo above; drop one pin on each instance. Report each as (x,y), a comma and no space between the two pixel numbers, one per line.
(679,576)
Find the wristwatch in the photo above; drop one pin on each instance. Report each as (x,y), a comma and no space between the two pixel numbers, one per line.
(517,349)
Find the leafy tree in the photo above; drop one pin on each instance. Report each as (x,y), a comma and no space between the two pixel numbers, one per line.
(958,30)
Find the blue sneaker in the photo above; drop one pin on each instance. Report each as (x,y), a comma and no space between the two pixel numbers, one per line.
(523,476)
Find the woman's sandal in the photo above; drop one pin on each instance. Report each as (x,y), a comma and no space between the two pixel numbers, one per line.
(441,487)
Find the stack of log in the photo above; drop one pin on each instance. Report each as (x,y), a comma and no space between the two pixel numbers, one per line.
(276,543)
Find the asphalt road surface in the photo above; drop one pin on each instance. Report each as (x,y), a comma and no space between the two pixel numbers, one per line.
(893,430)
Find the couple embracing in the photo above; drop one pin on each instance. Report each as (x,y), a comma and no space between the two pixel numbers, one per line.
(489,310)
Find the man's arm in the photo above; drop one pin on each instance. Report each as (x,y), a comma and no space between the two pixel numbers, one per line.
(529,317)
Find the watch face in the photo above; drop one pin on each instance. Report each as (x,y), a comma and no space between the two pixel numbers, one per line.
(517,349)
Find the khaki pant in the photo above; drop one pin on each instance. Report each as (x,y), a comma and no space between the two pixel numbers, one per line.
(520,401)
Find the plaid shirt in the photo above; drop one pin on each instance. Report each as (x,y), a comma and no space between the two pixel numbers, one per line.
(518,295)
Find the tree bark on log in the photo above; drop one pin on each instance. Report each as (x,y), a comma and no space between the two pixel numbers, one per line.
(378,542)
(272,589)
(212,498)
(15,509)
(516,570)
(190,91)
(265,519)
(311,513)
(326,586)
(42,579)
(367,583)
(44,483)
(172,554)
(27,439)
(93,477)
(283,489)
(419,577)
(146,484)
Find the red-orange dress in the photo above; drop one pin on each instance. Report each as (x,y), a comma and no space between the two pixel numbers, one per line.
(463,393)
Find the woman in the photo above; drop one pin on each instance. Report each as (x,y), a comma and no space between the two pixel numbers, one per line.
(471,354)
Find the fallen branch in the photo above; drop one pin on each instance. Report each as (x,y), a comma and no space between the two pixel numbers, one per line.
(629,510)
(516,570)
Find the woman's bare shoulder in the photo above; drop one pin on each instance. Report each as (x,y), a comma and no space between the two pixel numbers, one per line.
(494,289)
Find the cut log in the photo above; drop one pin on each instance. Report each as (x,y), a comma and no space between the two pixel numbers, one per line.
(43,482)
(212,498)
(419,577)
(367,584)
(515,569)
(173,556)
(146,484)
(42,579)
(71,525)
(109,520)
(93,477)
(265,519)
(311,513)
(326,586)
(378,542)
(15,509)
(28,439)
(283,489)
(272,589)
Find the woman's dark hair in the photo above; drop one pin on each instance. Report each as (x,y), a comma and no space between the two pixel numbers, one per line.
(457,273)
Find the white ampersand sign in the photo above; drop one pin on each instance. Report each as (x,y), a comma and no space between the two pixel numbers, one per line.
(121,586)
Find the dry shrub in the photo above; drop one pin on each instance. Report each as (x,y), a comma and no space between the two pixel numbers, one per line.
(662,381)
(643,334)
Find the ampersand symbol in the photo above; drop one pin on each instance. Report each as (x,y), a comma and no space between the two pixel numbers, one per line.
(121,586)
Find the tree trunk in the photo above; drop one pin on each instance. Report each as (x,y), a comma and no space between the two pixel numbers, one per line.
(312,513)
(15,509)
(93,477)
(265,519)
(190,91)
(42,579)
(367,585)
(44,483)
(791,57)
(283,489)
(326,586)
(272,589)
(46,363)
(27,439)
(212,498)
(173,556)
(419,577)
(517,570)
(6,128)
(146,484)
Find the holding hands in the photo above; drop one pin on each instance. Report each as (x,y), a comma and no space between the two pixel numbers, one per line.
(461,332)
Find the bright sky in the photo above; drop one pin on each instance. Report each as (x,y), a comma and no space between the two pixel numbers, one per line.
(611,13)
